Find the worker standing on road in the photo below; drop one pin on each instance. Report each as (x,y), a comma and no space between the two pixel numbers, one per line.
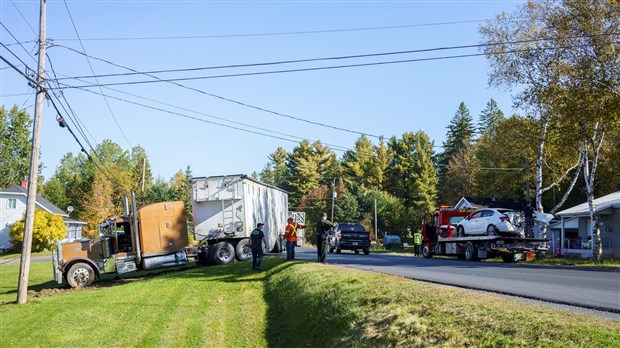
(257,239)
(322,228)
(291,238)
(528,214)
(417,242)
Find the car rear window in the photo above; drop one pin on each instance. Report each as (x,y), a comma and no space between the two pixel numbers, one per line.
(351,227)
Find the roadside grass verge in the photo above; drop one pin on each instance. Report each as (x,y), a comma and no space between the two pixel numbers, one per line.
(18,254)
(291,304)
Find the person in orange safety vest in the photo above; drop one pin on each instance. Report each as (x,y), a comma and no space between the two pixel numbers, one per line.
(291,238)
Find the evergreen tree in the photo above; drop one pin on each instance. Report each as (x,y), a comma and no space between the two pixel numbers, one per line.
(424,185)
(309,166)
(142,175)
(489,118)
(359,164)
(460,133)
(275,171)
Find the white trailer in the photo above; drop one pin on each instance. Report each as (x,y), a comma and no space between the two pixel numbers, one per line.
(227,209)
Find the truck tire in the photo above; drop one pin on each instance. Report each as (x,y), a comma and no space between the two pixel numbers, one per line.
(203,257)
(277,247)
(366,251)
(338,250)
(356,251)
(243,250)
(470,252)
(426,252)
(80,275)
(508,258)
(222,253)
(461,231)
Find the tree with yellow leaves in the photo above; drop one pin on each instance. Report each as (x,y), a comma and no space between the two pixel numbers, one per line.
(48,228)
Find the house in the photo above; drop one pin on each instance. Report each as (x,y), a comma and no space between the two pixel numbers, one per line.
(476,203)
(572,235)
(13,206)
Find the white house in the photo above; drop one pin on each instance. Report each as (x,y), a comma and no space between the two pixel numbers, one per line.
(13,206)
(572,235)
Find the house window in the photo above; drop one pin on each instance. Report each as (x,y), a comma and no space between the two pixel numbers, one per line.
(11,203)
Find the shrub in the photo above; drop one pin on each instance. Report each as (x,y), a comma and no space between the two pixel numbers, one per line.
(48,228)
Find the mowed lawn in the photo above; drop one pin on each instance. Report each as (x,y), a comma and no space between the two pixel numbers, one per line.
(290,304)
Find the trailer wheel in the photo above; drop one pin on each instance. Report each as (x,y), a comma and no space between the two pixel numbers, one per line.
(338,250)
(243,250)
(223,253)
(80,275)
(470,252)
(461,231)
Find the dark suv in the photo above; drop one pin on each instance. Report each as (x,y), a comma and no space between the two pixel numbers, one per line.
(349,236)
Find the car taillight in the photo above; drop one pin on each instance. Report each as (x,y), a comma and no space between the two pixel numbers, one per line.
(503,218)
(339,235)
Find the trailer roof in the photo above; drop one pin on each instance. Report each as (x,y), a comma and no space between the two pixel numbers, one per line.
(241,176)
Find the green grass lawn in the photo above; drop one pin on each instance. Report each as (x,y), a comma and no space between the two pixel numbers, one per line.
(290,304)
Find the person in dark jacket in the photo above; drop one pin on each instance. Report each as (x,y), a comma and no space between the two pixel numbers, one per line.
(257,239)
(528,214)
(322,228)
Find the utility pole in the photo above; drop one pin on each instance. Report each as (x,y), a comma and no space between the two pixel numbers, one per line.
(333,197)
(143,170)
(24,270)
(376,230)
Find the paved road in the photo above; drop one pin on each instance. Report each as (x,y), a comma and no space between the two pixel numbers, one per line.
(583,287)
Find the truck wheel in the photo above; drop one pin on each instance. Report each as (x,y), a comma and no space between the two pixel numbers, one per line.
(491,230)
(277,248)
(223,253)
(338,250)
(366,251)
(426,252)
(243,250)
(508,258)
(331,250)
(356,251)
(461,231)
(80,275)
(470,252)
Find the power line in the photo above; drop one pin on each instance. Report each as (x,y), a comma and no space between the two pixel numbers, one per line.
(227,99)
(19,43)
(195,118)
(93,71)
(295,61)
(279,33)
(25,20)
(139,82)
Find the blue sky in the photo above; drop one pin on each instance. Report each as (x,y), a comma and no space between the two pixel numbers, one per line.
(382,100)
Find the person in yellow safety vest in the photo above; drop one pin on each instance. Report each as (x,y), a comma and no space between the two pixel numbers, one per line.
(417,241)
(291,238)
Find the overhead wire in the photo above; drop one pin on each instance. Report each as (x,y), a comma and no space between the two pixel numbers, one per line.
(25,20)
(93,71)
(307,60)
(139,82)
(195,118)
(279,33)
(229,99)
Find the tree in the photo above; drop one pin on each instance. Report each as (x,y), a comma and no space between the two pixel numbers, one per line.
(460,133)
(424,174)
(48,228)
(569,79)
(358,164)
(98,205)
(489,118)
(274,172)
(460,179)
(141,171)
(308,166)
(15,147)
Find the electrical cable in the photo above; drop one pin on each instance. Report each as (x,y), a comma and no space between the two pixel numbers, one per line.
(229,99)
(20,44)
(25,20)
(294,61)
(195,118)
(93,71)
(280,33)
(139,82)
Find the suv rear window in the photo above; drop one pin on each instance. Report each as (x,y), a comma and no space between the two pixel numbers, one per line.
(351,227)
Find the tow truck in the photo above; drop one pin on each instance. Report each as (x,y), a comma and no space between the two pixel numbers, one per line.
(439,237)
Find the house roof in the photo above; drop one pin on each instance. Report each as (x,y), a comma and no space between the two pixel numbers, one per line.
(41,202)
(609,201)
(489,202)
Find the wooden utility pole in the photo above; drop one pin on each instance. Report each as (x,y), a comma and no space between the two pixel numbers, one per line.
(24,270)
